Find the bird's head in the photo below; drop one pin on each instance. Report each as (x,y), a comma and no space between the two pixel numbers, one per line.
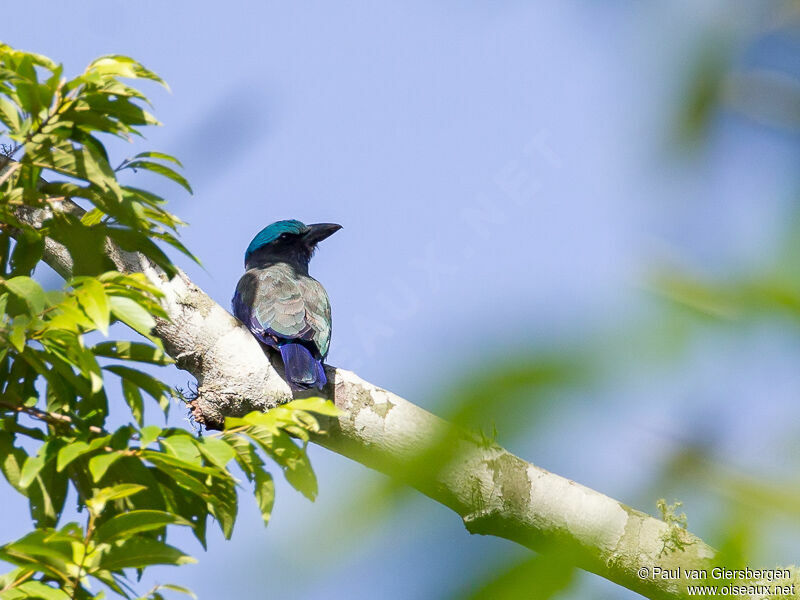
(290,241)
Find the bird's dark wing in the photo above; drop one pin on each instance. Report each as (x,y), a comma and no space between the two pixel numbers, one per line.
(279,305)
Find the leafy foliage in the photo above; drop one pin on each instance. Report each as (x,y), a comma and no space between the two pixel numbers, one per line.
(136,482)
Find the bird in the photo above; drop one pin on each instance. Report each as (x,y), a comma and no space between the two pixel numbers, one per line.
(282,305)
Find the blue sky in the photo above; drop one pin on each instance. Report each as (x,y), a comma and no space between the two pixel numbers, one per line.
(504,176)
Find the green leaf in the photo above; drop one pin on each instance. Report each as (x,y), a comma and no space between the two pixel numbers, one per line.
(45,543)
(301,476)
(139,552)
(92,296)
(84,163)
(267,420)
(86,245)
(30,470)
(35,590)
(116,492)
(69,317)
(27,252)
(47,494)
(149,434)
(133,397)
(320,406)
(9,116)
(178,476)
(121,66)
(216,451)
(246,456)
(176,243)
(28,96)
(294,461)
(222,503)
(92,217)
(6,579)
(29,291)
(98,465)
(136,521)
(161,170)
(176,588)
(182,446)
(87,363)
(70,452)
(125,111)
(137,281)
(135,351)
(49,558)
(133,314)
(160,156)
(157,389)
(265,493)
(19,332)
(161,459)
(12,459)
(100,442)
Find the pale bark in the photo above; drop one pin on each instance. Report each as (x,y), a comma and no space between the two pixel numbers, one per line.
(493,491)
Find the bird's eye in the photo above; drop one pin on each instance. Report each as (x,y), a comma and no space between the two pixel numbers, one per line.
(284,236)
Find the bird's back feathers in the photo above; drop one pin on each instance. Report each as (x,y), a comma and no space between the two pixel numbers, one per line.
(288,311)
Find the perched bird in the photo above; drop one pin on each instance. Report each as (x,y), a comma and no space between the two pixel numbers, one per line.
(281,304)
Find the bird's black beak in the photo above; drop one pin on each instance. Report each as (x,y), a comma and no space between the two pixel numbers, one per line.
(319,231)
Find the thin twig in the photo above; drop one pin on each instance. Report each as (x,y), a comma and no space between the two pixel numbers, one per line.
(48,417)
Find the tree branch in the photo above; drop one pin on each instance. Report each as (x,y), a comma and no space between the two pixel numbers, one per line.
(47,417)
(493,491)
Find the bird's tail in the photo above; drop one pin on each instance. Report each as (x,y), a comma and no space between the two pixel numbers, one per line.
(303,371)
